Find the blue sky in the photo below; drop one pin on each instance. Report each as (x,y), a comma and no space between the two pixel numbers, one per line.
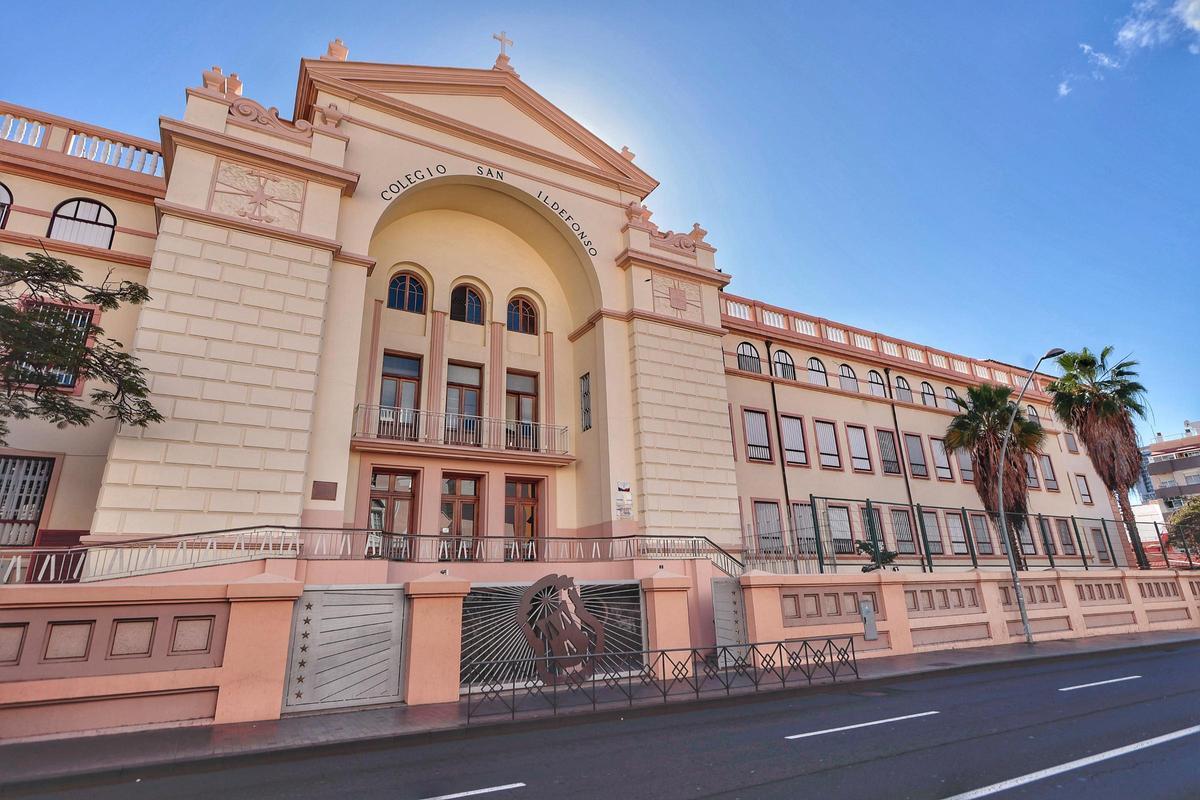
(992,179)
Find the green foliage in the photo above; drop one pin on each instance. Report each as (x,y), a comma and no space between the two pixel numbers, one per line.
(881,558)
(39,345)
(1184,526)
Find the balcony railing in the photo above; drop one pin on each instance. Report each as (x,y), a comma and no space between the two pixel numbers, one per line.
(460,430)
(25,126)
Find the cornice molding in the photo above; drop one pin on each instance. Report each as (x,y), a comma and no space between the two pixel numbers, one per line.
(70,248)
(57,168)
(628,257)
(176,132)
(640,314)
(371,445)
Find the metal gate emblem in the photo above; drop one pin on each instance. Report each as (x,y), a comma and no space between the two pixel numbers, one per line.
(564,635)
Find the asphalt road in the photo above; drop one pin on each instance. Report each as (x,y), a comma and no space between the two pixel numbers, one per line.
(991,725)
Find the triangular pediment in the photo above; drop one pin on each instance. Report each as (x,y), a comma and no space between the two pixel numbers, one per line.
(494,107)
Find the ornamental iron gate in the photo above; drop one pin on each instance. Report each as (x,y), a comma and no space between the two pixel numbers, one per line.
(729,616)
(347,648)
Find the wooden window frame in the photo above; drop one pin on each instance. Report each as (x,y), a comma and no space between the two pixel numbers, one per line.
(405,296)
(526,316)
(468,290)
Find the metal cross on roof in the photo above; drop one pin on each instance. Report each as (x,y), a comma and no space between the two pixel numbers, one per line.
(503,39)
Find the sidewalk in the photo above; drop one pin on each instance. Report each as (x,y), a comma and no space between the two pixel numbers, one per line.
(62,759)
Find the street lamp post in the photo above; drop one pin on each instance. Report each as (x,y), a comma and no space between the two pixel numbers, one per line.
(1008,545)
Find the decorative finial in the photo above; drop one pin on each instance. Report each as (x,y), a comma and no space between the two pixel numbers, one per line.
(697,235)
(331,117)
(213,80)
(233,85)
(639,216)
(502,59)
(627,154)
(337,51)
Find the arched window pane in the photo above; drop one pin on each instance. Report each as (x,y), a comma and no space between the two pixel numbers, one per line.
(406,293)
(951,399)
(1033,414)
(784,366)
(847,378)
(816,373)
(522,316)
(5,204)
(83,222)
(903,390)
(466,306)
(747,357)
(927,396)
(876,381)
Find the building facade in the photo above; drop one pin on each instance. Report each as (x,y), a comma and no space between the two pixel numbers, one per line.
(433,304)
(1172,468)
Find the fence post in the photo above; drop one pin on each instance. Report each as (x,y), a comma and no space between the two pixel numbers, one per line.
(970,539)
(812,505)
(1079,541)
(1112,554)
(1046,540)
(924,536)
(874,534)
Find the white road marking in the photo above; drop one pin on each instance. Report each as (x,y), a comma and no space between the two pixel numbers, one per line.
(474,792)
(861,725)
(1099,683)
(1012,783)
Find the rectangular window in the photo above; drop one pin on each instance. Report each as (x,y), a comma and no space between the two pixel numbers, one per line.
(916,455)
(806,532)
(521,431)
(966,467)
(69,325)
(1048,473)
(1047,536)
(767,527)
(958,536)
(873,518)
(983,538)
(888,455)
(1072,445)
(585,401)
(1025,535)
(1031,476)
(827,445)
(840,531)
(860,453)
(24,482)
(464,385)
(1085,493)
(941,460)
(794,451)
(902,529)
(758,438)
(933,532)
(1064,536)
(400,397)
(1101,545)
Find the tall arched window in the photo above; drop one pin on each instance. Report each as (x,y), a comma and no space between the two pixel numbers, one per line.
(5,204)
(876,382)
(784,366)
(903,390)
(927,396)
(1033,414)
(466,305)
(406,293)
(747,355)
(522,316)
(84,222)
(816,372)
(951,399)
(847,378)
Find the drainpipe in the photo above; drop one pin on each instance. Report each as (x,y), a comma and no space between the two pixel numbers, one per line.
(901,456)
(787,497)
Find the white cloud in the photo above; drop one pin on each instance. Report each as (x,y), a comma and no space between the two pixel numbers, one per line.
(1064,88)
(1101,61)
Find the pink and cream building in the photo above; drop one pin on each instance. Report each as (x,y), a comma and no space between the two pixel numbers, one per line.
(430,302)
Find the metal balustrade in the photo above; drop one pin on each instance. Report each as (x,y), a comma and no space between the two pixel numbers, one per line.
(459,430)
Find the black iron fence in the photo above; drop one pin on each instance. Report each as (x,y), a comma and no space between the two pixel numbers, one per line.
(595,681)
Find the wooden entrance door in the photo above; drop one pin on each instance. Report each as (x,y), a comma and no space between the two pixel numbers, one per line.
(521,527)
(459,518)
(399,397)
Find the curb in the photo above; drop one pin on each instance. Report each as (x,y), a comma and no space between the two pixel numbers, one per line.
(208,762)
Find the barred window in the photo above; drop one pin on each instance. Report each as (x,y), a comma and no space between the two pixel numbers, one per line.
(816,373)
(916,455)
(1064,536)
(928,398)
(941,461)
(747,358)
(466,305)
(65,322)
(903,531)
(889,455)
(5,204)
(903,390)
(860,452)
(794,451)
(876,382)
(847,378)
(966,466)
(840,532)
(83,222)
(933,532)
(1048,472)
(958,535)
(872,523)
(758,440)
(827,445)
(406,293)
(784,366)
(983,538)
(522,316)
(585,401)
(806,531)
(768,527)
(24,482)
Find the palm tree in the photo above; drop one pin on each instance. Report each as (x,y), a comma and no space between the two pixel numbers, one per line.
(979,430)
(1098,401)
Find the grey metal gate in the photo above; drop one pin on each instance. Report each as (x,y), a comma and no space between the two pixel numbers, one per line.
(728,614)
(346,647)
